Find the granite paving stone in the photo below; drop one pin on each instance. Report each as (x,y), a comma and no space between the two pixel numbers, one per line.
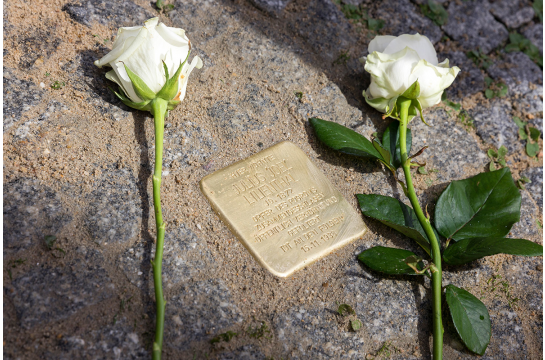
(247,352)
(324,28)
(118,12)
(535,188)
(534,33)
(185,257)
(31,211)
(522,272)
(115,341)
(30,128)
(19,96)
(527,227)
(495,125)
(410,19)
(184,145)
(114,213)
(266,71)
(246,112)
(471,24)
(388,308)
(47,294)
(39,45)
(330,104)
(272,7)
(469,81)
(86,78)
(278,62)
(513,13)
(516,68)
(452,151)
(313,333)
(528,99)
(197,312)
(194,17)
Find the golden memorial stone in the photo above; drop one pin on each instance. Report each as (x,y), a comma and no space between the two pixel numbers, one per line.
(282,208)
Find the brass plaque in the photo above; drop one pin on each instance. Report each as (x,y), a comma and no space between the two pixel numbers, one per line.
(282,208)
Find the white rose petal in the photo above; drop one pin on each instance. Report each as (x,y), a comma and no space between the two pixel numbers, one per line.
(379,43)
(143,49)
(395,63)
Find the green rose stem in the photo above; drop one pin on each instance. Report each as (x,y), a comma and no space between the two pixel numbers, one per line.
(158,109)
(425,222)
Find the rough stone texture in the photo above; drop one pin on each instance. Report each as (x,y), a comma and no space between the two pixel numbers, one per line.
(495,125)
(513,13)
(388,308)
(244,113)
(272,58)
(85,77)
(192,16)
(528,99)
(330,104)
(411,22)
(324,28)
(535,188)
(312,333)
(247,352)
(31,211)
(469,81)
(272,7)
(527,227)
(39,45)
(31,127)
(516,68)
(118,12)
(244,99)
(473,26)
(200,308)
(46,294)
(19,96)
(185,257)
(534,33)
(114,213)
(522,272)
(116,341)
(452,151)
(185,145)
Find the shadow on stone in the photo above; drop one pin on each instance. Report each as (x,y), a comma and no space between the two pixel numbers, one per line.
(146,237)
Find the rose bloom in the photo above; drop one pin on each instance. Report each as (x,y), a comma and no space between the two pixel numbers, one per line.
(143,49)
(395,63)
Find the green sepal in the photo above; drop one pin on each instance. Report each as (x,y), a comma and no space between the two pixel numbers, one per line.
(377,103)
(170,89)
(140,88)
(165,67)
(392,109)
(415,105)
(172,104)
(144,105)
(382,103)
(413,92)
(392,104)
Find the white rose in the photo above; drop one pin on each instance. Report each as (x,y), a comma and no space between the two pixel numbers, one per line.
(395,63)
(143,49)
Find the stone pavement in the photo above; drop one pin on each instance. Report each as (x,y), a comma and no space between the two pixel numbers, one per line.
(77,165)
